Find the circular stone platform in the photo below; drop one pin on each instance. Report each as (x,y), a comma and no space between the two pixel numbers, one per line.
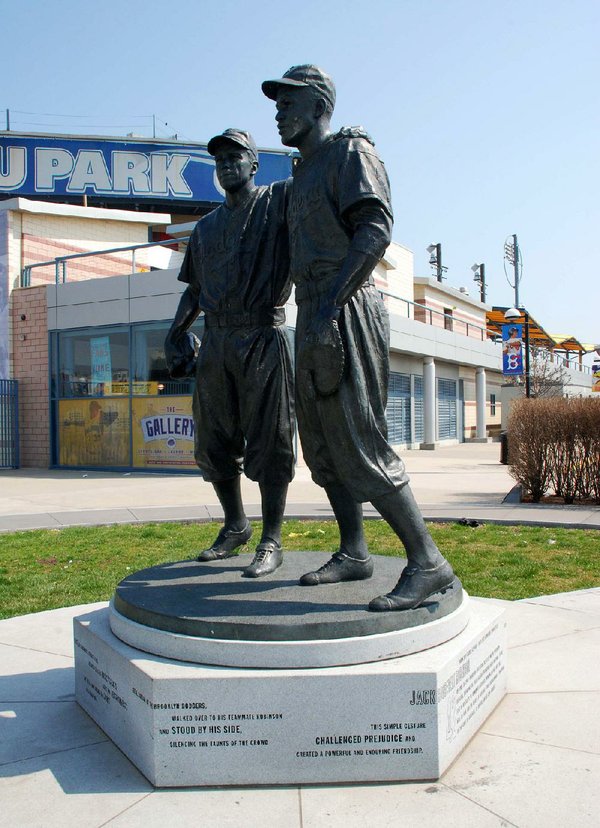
(208,613)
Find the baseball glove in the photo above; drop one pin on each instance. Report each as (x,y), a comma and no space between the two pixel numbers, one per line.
(181,354)
(322,359)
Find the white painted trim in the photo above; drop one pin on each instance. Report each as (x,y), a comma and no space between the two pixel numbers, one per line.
(50,208)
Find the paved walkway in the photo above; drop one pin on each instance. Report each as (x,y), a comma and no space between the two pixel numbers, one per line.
(535,762)
(452,482)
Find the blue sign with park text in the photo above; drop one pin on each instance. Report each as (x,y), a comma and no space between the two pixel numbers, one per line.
(130,168)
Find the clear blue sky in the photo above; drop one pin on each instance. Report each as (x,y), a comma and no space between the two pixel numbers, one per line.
(485,112)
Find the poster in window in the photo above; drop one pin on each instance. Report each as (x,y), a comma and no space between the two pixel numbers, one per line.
(93,432)
(101,364)
(163,433)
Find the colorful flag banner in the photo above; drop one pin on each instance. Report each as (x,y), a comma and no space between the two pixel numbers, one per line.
(512,350)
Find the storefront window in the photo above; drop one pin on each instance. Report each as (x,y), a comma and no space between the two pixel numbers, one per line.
(93,363)
(162,430)
(150,373)
(94,432)
(161,410)
(113,402)
(115,405)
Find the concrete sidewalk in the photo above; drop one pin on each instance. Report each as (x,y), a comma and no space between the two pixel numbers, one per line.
(534,763)
(452,482)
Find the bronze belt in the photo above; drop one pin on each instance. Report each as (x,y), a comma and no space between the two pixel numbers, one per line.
(312,290)
(247,319)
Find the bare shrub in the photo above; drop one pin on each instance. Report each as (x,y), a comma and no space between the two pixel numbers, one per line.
(560,449)
(568,451)
(528,445)
(554,444)
(547,377)
(590,435)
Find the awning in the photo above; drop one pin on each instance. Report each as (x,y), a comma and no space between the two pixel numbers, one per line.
(537,334)
(569,343)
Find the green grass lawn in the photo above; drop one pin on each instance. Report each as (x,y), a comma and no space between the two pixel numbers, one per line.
(46,569)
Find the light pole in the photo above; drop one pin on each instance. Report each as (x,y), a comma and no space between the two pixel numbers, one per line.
(435,260)
(479,271)
(512,255)
(513,315)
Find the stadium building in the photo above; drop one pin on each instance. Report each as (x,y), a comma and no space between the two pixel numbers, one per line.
(92,234)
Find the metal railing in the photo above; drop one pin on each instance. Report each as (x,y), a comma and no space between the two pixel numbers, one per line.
(60,263)
(571,364)
(415,310)
(427,315)
(9,424)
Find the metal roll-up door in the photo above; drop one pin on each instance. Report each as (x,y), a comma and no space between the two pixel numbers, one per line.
(447,411)
(9,424)
(398,409)
(418,408)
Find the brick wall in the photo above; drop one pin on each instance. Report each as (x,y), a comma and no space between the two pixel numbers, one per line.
(463,322)
(39,249)
(45,237)
(30,368)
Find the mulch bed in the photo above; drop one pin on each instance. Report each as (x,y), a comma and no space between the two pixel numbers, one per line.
(553,500)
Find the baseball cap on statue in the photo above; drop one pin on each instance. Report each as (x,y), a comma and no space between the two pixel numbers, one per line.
(234,136)
(307,74)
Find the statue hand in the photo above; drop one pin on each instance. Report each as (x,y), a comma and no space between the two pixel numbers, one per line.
(321,329)
(320,359)
(354,132)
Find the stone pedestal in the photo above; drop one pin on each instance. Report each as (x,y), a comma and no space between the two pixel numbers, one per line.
(401,718)
(208,614)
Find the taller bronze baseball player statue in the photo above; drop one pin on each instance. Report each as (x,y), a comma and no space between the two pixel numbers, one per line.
(340,222)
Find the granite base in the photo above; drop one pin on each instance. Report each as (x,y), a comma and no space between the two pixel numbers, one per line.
(196,725)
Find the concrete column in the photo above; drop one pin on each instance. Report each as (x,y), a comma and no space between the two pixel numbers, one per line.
(480,395)
(429,419)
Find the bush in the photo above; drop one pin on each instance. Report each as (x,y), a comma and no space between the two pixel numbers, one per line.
(554,445)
